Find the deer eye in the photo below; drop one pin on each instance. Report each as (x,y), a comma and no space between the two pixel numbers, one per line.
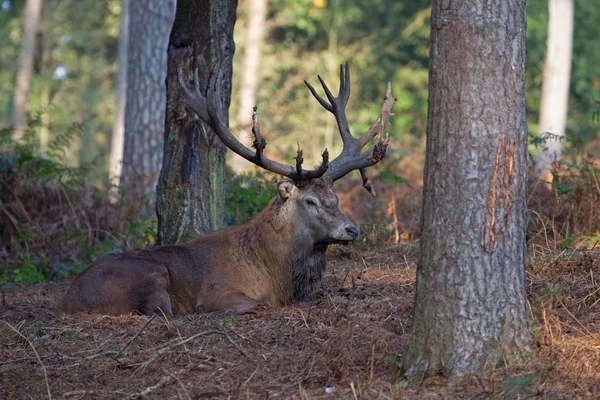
(311,202)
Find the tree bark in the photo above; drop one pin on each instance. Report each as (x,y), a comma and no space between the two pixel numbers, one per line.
(470,307)
(149,26)
(191,193)
(33,9)
(253,42)
(117,139)
(555,88)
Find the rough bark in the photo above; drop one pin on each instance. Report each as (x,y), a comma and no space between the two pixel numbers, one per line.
(117,139)
(191,194)
(149,26)
(470,306)
(253,42)
(33,9)
(555,88)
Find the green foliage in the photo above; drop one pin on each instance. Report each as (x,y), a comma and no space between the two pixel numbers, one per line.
(25,160)
(552,293)
(246,195)
(28,272)
(53,224)
(517,387)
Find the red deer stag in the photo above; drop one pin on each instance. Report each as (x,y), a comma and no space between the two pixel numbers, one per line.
(276,258)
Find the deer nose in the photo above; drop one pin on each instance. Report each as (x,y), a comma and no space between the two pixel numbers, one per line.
(352,231)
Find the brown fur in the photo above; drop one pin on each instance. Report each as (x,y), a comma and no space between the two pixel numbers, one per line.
(275,259)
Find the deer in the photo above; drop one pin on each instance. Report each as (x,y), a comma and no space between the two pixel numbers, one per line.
(275,259)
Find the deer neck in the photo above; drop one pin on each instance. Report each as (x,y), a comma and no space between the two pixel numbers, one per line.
(294,263)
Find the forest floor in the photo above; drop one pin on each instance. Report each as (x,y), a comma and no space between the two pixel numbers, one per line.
(340,345)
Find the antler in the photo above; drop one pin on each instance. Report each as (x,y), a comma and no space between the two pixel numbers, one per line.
(351,157)
(208,109)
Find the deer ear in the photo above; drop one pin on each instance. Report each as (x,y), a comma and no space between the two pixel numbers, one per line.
(286,189)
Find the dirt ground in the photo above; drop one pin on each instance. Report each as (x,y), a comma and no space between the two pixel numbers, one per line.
(339,345)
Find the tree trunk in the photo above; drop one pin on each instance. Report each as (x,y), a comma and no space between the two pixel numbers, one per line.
(555,88)
(191,193)
(470,308)
(255,34)
(33,10)
(116,150)
(46,75)
(149,26)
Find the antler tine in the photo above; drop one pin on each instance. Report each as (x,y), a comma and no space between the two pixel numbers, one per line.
(321,101)
(259,143)
(299,160)
(382,121)
(367,184)
(337,105)
(208,108)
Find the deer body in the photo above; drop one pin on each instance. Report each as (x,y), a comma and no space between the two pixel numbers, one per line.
(275,259)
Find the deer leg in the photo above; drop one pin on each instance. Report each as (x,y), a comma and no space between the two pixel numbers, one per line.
(154,298)
(158,302)
(234,302)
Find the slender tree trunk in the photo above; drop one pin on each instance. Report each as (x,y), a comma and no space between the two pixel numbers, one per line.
(149,27)
(470,308)
(46,75)
(33,9)
(555,88)
(117,139)
(255,34)
(191,193)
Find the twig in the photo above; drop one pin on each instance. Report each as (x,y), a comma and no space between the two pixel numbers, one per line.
(21,359)
(180,384)
(353,390)
(36,355)
(91,356)
(250,377)
(576,320)
(303,319)
(162,382)
(243,337)
(237,346)
(372,360)
(135,336)
(18,200)
(172,346)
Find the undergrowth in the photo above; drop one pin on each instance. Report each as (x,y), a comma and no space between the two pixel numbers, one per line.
(53,224)
(564,212)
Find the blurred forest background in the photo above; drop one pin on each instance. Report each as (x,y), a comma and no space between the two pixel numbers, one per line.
(72,104)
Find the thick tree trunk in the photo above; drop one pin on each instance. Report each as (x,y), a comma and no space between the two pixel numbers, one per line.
(191,193)
(117,139)
(33,10)
(253,42)
(149,27)
(470,308)
(555,88)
